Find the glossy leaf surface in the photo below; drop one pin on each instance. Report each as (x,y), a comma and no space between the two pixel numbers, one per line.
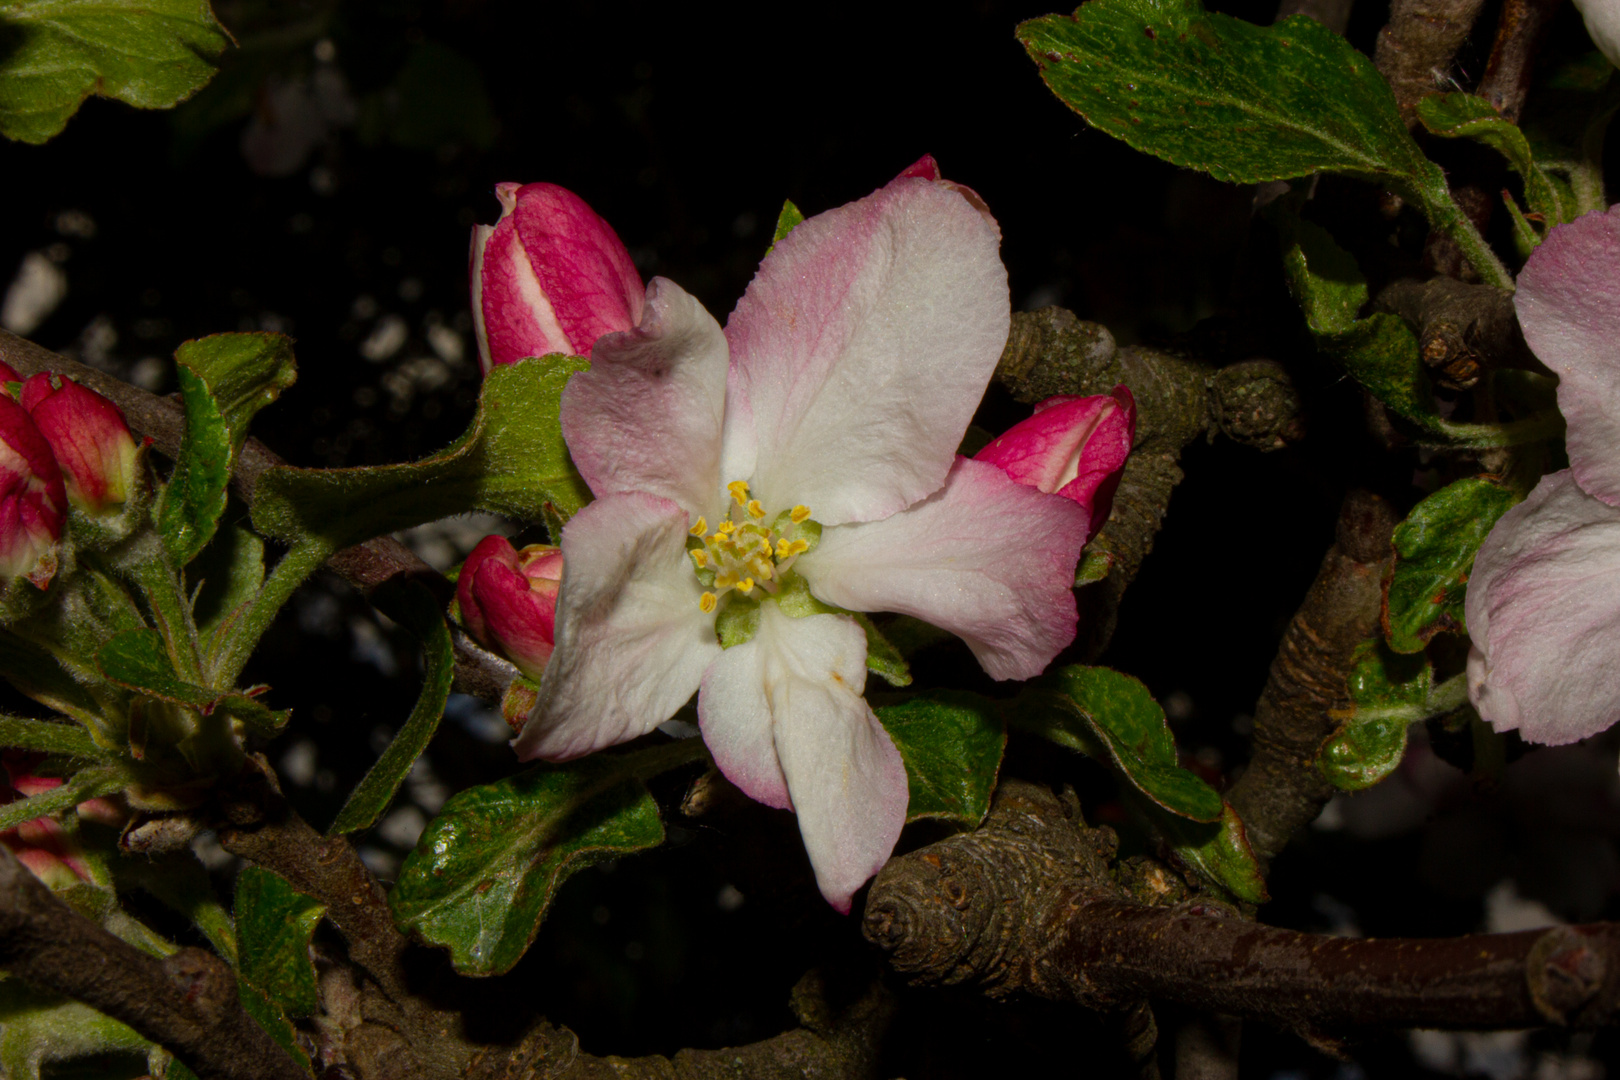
(952,744)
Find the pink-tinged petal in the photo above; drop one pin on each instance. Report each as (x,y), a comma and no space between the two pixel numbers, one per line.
(924,168)
(582,264)
(987,558)
(862,347)
(647,415)
(515,318)
(632,643)
(787,723)
(1568,301)
(1543,611)
(88,438)
(33,500)
(505,606)
(1072,446)
(1603,23)
(734,714)
(9,373)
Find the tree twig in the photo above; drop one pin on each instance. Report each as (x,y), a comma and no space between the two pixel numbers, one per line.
(1519,32)
(1281,790)
(366,566)
(187,1003)
(1463,329)
(1416,46)
(1026,904)
(1178,399)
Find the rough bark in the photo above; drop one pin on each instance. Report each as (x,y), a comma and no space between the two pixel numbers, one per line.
(1027,904)
(187,1003)
(1178,399)
(1519,33)
(1281,791)
(1416,46)
(1462,329)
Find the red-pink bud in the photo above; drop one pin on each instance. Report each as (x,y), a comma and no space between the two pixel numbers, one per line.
(9,373)
(42,844)
(550,276)
(1073,446)
(508,600)
(32,500)
(88,437)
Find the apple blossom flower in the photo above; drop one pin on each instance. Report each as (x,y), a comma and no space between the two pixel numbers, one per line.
(88,438)
(1543,605)
(548,277)
(1073,446)
(32,499)
(755,485)
(508,600)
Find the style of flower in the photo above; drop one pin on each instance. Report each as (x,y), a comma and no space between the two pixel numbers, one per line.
(549,277)
(1543,605)
(1073,446)
(508,600)
(754,486)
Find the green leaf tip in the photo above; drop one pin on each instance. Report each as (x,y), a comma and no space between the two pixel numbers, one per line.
(1434,553)
(58,52)
(952,744)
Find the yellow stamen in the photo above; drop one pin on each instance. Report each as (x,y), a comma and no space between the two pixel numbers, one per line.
(700,528)
(755,510)
(725,580)
(782,549)
(745,586)
(798,547)
(739,491)
(707,602)
(725,528)
(799,514)
(700,557)
(765,571)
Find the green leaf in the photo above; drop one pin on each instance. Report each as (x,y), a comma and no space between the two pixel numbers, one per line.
(43,677)
(510,461)
(421,614)
(1111,716)
(274,923)
(39,1030)
(180,881)
(486,869)
(227,575)
(224,380)
(1467,116)
(1244,103)
(47,736)
(882,657)
(952,744)
(56,53)
(789,219)
(1434,552)
(268,1015)
(1388,692)
(1217,853)
(88,784)
(139,660)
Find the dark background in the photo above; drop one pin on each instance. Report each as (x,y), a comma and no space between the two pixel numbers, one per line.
(324,185)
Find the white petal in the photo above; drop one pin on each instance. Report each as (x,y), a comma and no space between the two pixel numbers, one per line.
(1568,301)
(785,708)
(647,415)
(1543,611)
(632,642)
(987,558)
(862,347)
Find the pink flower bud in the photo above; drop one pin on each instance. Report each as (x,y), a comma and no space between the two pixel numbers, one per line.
(42,844)
(32,500)
(550,276)
(88,437)
(9,373)
(1073,446)
(508,600)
